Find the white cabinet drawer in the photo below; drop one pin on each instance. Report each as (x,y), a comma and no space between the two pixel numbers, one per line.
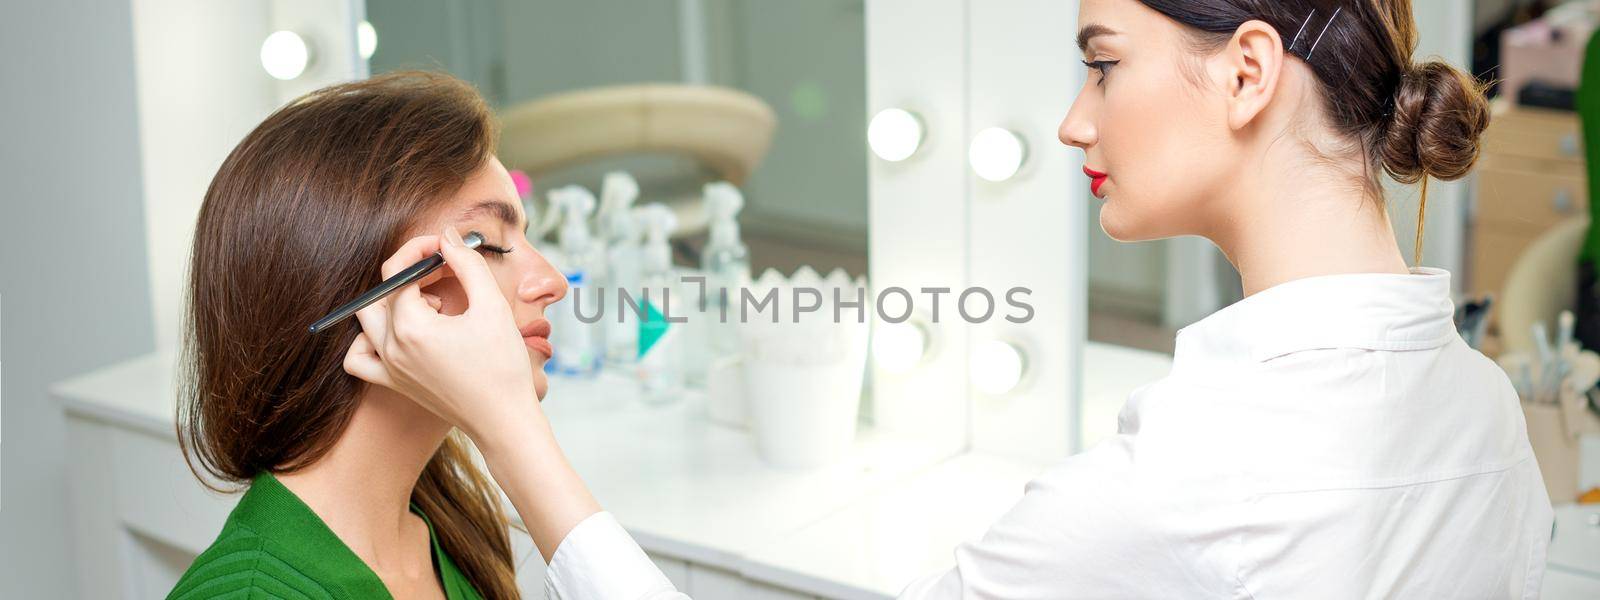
(158,496)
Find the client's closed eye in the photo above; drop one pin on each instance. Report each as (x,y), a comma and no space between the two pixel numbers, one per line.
(494,251)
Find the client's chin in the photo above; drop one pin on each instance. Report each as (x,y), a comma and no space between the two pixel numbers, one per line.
(541,383)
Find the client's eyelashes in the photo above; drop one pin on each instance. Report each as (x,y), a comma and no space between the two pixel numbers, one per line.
(495,252)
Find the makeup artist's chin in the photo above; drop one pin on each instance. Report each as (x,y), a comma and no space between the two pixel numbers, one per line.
(1117,223)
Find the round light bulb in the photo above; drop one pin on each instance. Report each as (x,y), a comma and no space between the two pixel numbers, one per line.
(366,39)
(898,347)
(895,134)
(996,154)
(285,55)
(996,367)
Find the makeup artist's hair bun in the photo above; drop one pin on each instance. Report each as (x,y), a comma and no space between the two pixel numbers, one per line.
(1439,115)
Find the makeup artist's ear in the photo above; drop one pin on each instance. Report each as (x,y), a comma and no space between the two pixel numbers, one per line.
(1249,67)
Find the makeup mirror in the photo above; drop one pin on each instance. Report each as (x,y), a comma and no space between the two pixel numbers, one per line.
(806,195)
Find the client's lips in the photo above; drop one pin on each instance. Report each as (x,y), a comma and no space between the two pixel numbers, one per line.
(537,336)
(1097,179)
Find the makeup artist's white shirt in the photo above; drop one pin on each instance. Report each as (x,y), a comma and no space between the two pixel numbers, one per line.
(1330,437)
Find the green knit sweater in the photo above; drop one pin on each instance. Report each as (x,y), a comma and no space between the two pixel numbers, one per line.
(274,546)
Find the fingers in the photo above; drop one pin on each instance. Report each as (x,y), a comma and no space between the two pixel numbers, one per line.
(472,270)
(415,249)
(374,319)
(408,299)
(362,361)
(375,328)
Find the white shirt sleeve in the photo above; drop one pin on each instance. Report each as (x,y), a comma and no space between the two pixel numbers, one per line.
(598,560)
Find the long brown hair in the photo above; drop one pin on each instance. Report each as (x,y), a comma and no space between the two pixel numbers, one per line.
(297,221)
(1411,120)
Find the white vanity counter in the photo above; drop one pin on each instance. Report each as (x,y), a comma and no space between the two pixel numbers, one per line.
(719,521)
(696,495)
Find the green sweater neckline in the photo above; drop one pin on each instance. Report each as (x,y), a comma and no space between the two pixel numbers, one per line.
(288,526)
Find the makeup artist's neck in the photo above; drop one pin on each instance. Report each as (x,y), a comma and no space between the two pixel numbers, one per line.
(1297,223)
(362,487)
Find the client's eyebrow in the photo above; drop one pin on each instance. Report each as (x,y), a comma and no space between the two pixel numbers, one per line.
(1090,32)
(497,209)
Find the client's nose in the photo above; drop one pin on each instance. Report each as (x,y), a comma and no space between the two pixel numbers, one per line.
(542,283)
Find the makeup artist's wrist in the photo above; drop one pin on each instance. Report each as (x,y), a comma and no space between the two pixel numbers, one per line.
(530,467)
(509,433)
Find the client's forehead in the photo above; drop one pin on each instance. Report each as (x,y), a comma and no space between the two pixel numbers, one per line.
(497,209)
(487,194)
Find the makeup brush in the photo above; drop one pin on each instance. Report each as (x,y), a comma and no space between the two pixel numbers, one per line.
(410,275)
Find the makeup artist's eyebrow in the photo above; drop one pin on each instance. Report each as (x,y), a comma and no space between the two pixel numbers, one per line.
(497,209)
(1090,32)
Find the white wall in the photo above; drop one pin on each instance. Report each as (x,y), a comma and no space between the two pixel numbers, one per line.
(200,89)
(116,117)
(72,258)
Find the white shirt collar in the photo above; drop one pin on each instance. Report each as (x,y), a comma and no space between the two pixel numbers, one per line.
(1374,311)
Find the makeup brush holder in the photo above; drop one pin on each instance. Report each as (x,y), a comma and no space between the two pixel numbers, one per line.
(1556,425)
(802,376)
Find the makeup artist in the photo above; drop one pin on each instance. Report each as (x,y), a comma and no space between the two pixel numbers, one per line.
(1329,436)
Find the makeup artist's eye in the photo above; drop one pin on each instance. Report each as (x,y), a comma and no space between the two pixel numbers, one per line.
(1104,66)
(494,252)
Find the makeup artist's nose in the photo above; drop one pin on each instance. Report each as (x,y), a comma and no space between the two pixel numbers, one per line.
(1077,129)
(543,283)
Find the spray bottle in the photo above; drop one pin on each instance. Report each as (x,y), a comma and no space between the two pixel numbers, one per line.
(659,370)
(620,232)
(726,262)
(577,344)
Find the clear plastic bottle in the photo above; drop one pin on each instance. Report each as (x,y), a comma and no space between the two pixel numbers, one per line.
(659,369)
(576,343)
(621,232)
(726,262)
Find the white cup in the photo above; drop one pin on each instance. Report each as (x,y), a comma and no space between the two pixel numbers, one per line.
(803,416)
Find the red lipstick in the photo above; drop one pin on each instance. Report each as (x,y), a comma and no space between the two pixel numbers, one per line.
(1096,180)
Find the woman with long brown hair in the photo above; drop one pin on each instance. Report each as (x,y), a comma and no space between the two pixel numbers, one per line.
(354,490)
